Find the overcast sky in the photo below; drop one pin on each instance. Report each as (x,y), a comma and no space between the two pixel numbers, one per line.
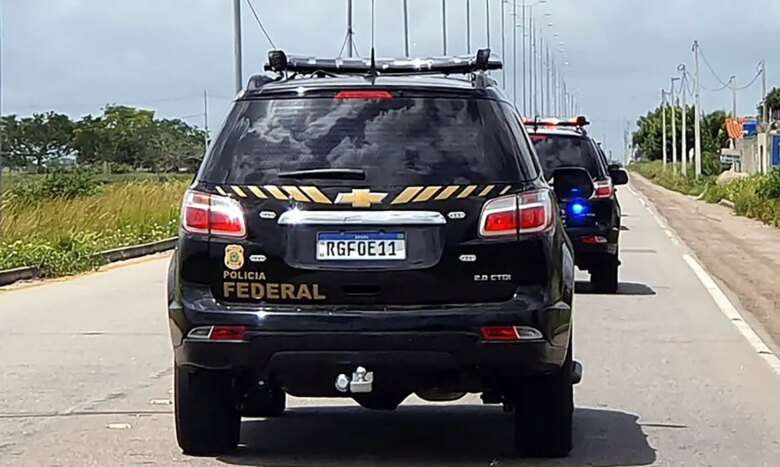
(75,56)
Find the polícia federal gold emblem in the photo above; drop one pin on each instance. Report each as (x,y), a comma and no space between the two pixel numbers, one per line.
(234,257)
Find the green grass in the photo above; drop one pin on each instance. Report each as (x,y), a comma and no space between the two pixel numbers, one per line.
(62,234)
(757,196)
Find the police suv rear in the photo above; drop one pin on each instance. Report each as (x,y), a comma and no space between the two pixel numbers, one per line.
(370,230)
(593,223)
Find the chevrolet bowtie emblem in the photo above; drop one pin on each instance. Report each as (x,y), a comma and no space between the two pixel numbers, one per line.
(360,198)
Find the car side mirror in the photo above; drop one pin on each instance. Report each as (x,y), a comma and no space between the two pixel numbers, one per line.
(572,182)
(619,177)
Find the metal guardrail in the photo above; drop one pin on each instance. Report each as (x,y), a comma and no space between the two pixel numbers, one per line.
(11,276)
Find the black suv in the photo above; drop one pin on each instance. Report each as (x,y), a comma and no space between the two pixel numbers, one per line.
(372,230)
(592,223)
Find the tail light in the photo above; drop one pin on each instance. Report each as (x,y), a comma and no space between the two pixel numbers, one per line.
(603,189)
(514,215)
(364,95)
(204,213)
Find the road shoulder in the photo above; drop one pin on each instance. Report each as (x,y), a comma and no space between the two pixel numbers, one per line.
(741,253)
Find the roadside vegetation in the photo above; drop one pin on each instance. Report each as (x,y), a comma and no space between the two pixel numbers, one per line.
(757,196)
(73,188)
(60,222)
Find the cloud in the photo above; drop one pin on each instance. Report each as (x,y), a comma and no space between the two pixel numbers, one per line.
(75,56)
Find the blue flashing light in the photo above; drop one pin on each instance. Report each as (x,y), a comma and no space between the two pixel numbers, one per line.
(578,208)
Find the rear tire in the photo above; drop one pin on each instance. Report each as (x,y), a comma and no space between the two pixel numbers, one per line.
(604,277)
(269,401)
(544,413)
(207,421)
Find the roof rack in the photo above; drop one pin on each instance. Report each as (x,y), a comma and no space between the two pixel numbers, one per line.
(279,62)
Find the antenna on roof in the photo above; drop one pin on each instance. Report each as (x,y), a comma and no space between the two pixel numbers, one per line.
(372,71)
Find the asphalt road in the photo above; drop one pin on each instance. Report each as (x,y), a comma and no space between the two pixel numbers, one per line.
(85,379)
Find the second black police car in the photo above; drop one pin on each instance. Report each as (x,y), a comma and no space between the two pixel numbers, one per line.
(373,229)
(594,222)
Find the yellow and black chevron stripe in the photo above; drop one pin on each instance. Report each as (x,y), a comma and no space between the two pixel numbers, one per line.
(407,195)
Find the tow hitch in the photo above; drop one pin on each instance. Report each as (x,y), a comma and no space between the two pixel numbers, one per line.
(360,383)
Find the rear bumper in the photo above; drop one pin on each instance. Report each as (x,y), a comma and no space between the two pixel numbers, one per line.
(442,338)
(587,252)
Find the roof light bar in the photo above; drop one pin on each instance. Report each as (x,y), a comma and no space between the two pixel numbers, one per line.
(577,122)
(279,62)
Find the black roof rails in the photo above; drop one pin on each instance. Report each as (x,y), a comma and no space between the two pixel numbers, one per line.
(279,62)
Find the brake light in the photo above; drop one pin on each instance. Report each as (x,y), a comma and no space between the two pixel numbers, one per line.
(204,213)
(517,214)
(603,189)
(499,334)
(364,95)
(227,333)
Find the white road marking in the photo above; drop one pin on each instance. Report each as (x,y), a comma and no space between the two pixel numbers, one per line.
(731,312)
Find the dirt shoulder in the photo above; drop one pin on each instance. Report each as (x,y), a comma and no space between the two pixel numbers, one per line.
(742,253)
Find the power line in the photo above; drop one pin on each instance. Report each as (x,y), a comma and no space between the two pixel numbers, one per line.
(260,23)
(712,70)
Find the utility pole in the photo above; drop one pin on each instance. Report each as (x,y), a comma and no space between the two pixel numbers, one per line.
(468,27)
(764,113)
(406,28)
(684,78)
(697,129)
(532,58)
(514,57)
(206,117)
(444,27)
(487,22)
(549,79)
(525,92)
(503,45)
(663,125)
(733,83)
(2,160)
(237,55)
(684,131)
(350,32)
(674,128)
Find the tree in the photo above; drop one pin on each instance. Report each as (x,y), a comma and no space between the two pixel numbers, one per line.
(772,100)
(38,140)
(649,136)
(177,146)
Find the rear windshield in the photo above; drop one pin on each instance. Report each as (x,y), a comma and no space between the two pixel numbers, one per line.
(401,141)
(557,151)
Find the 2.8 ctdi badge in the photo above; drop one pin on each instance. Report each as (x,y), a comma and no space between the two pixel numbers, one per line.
(234,257)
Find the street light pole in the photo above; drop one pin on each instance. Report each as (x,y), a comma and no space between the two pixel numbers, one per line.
(697,128)
(237,54)
(406,27)
(468,27)
(514,57)
(663,126)
(674,128)
(444,27)
(523,29)
(683,84)
(487,22)
(503,45)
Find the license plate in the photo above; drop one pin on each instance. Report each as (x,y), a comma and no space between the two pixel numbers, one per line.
(361,246)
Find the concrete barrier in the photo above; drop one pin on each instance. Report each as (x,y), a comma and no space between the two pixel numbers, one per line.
(10,276)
